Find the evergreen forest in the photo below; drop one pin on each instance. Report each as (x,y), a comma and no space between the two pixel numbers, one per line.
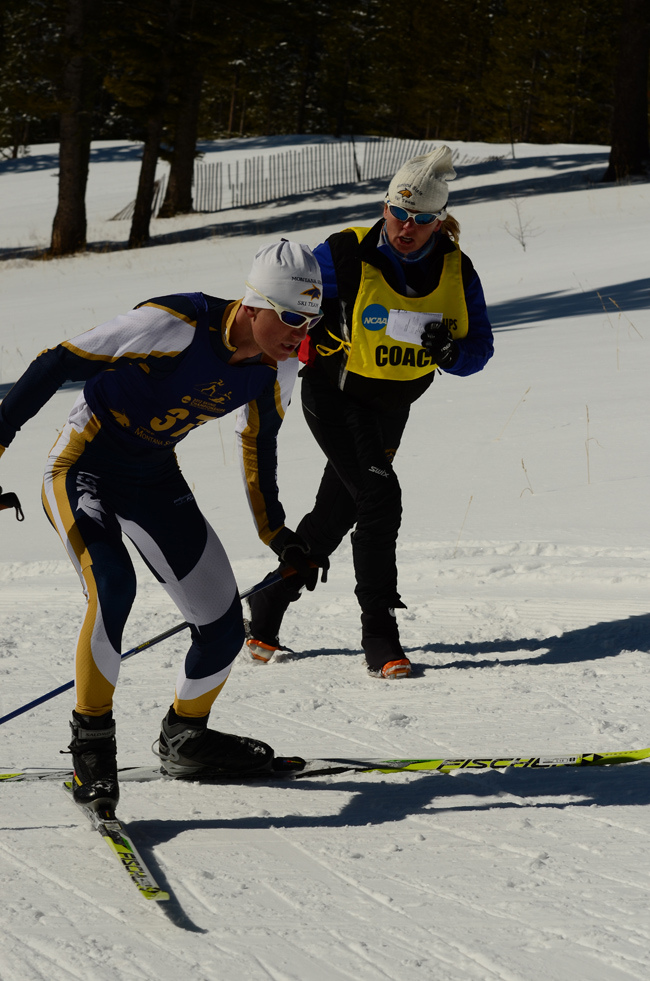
(170,72)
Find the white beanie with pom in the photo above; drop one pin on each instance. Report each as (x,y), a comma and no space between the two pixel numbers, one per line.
(421,183)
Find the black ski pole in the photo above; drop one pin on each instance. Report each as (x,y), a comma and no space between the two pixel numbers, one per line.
(270,581)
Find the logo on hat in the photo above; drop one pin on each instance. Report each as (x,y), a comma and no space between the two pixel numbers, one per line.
(313,293)
(406,193)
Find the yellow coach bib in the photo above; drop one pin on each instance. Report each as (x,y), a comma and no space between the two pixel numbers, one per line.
(372,353)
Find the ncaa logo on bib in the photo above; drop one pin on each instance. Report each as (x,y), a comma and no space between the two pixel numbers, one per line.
(374,317)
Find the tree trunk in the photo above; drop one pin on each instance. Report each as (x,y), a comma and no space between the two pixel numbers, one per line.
(339,128)
(307,71)
(178,197)
(141,221)
(79,83)
(630,152)
(233,101)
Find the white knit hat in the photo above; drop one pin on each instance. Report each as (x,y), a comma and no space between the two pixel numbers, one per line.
(289,274)
(421,183)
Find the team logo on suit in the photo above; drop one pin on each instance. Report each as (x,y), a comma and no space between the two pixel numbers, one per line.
(211,392)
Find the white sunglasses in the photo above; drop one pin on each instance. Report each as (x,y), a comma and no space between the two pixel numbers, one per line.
(289,317)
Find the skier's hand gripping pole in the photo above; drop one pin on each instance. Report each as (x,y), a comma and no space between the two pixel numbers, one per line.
(10,500)
(297,558)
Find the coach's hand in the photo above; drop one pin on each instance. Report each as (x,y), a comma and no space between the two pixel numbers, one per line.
(294,552)
(439,344)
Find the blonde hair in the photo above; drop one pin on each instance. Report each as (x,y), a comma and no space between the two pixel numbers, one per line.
(451,228)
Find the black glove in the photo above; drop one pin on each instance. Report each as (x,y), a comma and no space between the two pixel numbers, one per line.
(10,500)
(294,552)
(439,344)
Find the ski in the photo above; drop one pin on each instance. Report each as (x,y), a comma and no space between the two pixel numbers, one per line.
(287,767)
(139,773)
(116,836)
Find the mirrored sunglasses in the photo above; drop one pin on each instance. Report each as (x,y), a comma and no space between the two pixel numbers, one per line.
(291,318)
(420,218)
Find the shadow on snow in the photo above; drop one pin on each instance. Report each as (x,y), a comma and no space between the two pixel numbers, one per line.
(518,183)
(385,801)
(606,639)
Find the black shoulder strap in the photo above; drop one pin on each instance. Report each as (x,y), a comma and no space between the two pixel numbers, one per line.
(344,247)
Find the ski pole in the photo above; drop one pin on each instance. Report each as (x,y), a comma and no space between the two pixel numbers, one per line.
(10,500)
(270,581)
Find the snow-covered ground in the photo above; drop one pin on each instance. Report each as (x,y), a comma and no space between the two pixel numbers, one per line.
(523,560)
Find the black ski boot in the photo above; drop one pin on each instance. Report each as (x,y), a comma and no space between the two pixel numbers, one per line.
(381,643)
(94,757)
(267,608)
(187,746)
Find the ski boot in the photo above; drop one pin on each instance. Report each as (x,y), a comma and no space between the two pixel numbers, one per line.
(186,746)
(259,651)
(380,641)
(392,669)
(267,608)
(94,757)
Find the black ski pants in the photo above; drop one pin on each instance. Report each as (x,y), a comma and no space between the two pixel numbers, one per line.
(359,488)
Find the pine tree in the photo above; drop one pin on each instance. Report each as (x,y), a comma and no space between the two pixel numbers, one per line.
(630,153)
(202,39)
(438,60)
(30,37)
(178,196)
(551,72)
(143,43)
(79,87)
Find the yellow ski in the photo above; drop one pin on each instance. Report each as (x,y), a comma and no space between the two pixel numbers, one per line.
(119,841)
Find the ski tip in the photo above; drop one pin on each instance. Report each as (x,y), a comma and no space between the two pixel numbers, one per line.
(288,764)
(156,894)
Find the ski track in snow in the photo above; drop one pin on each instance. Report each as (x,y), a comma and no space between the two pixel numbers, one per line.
(523,559)
(343,856)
